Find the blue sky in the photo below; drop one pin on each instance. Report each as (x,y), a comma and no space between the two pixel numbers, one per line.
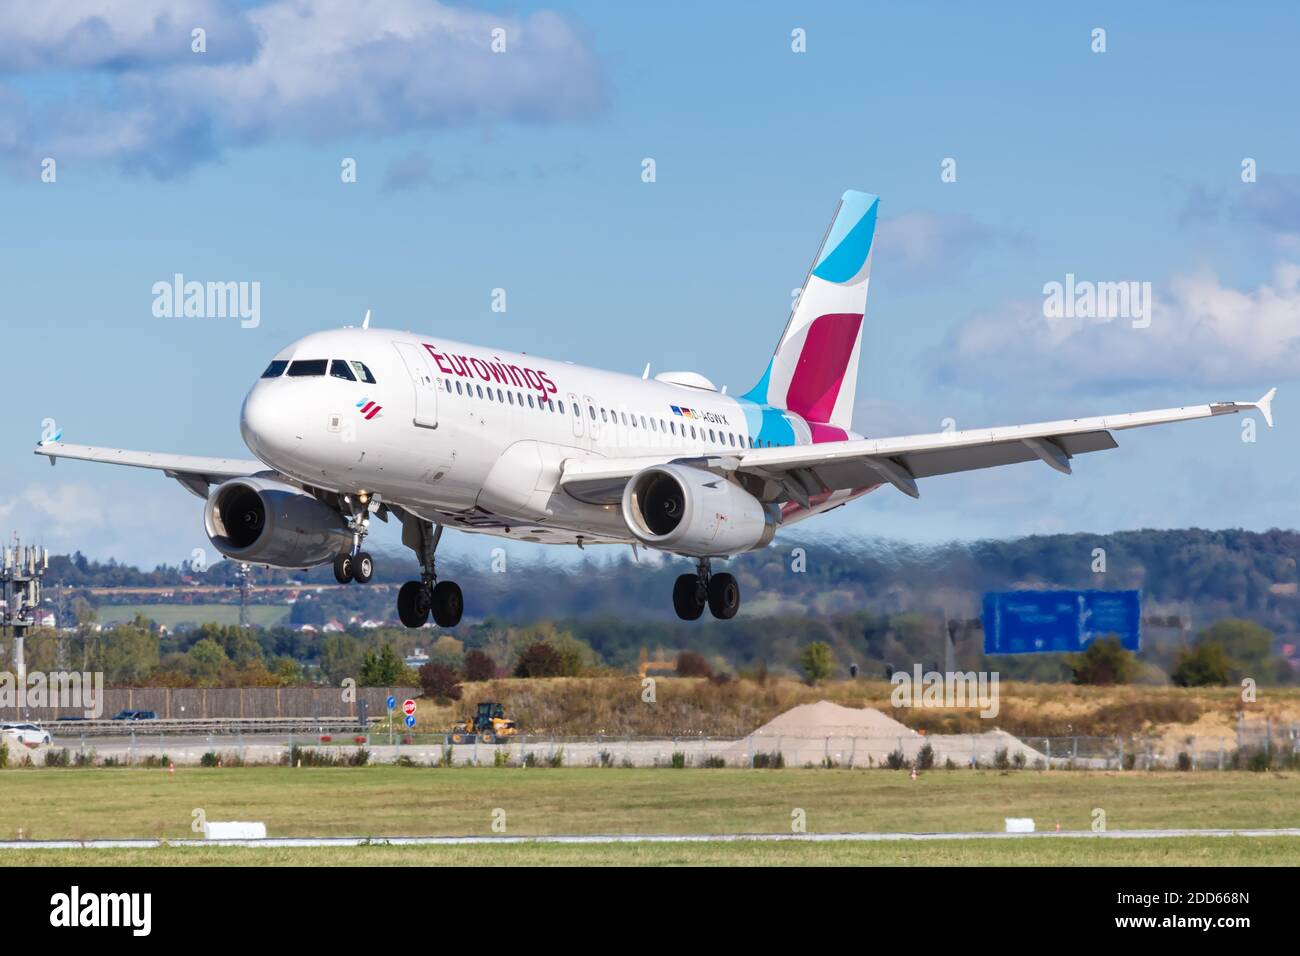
(522,170)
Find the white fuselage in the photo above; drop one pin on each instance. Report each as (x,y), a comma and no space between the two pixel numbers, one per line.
(476,438)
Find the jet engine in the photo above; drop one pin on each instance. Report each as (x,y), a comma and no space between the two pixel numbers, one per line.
(690,511)
(270,522)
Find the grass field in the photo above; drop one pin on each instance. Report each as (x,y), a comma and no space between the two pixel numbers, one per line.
(377,801)
(169,615)
(1174,851)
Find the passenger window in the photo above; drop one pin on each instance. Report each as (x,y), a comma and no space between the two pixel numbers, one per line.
(339,369)
(363,373)
(274,370)
(307,368)
(591,410)
(604,415)
(458,388)
(732,439)
(561,406)
(510,397)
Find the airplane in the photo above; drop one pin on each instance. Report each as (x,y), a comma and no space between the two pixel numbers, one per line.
(356,423)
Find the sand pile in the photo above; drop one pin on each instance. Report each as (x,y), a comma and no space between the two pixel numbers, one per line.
(863,737)
(824,719)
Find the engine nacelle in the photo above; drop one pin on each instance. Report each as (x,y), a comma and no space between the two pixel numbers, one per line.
(690,511)
(270,522)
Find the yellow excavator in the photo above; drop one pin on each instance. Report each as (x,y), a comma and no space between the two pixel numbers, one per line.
(488,726)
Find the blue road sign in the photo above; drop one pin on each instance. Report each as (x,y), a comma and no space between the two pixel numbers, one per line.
(1030,622)
(392,703)
(410,720)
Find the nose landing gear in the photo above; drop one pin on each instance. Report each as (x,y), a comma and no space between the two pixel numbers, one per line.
(692,592)
(356,565)
(416,600)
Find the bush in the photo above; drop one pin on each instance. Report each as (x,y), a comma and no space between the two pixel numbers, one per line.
(714,761)
(691,664)
(925,757)
(540,660)
(678,760)
(500,758)
(773,761)
(4,755)
(1184,761)
(1001,759)
(156,760)
(440,682)
(85,758)
(1205,665)
(56,758)
(210,759)
(895,760)
(479,666)
(1104,662)
(817,661)
(1019,760)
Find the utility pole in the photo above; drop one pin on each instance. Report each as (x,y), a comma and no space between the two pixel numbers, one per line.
(244,574)
(21,569)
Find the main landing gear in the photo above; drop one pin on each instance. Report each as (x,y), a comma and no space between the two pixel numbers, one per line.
(416,600)
(693,591)
(356,565)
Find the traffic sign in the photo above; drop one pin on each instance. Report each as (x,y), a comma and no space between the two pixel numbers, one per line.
(1027,622)
(410,720)
(408,707)
(392,702)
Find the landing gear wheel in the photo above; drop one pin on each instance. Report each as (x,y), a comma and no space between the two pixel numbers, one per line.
(343,568)
(724,596)
(448,604)
(688,597)
(363,566)
(411,606)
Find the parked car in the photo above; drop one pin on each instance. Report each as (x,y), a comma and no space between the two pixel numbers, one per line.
(29,735)
(136,715)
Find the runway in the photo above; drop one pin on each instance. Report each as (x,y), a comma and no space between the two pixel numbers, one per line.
(281,842)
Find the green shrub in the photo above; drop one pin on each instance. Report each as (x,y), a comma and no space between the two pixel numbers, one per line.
(1019,760)
(56,758)
(1184,761)
(773,761)
(895,760)
(84,758)
(1001,759)
(714,761)
(925,757)
(4,755)
(678,760)
(210,759)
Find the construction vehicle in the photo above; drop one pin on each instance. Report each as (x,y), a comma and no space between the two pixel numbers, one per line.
(488,726)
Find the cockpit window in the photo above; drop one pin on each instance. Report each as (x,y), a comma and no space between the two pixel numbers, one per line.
(363,373)
(339,369)
(307,367)
(275,369)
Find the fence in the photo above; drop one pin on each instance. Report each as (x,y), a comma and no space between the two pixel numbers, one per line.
(1277,747)
(188,703)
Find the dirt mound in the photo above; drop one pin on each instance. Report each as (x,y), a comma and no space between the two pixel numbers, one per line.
(825,719)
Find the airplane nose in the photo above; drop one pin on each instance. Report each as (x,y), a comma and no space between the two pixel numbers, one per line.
(261,424)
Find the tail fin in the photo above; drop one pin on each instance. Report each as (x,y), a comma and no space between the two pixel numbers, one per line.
(815,369)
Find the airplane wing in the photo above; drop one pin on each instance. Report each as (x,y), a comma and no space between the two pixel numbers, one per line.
(796,473)
(194,472)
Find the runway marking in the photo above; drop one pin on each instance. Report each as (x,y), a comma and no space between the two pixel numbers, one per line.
(283,842)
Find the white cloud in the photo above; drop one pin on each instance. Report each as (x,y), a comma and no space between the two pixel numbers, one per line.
(933,247)
(320,71)
(1201,331)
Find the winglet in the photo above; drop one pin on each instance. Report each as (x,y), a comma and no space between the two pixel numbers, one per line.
(365,323)
(1265,406)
